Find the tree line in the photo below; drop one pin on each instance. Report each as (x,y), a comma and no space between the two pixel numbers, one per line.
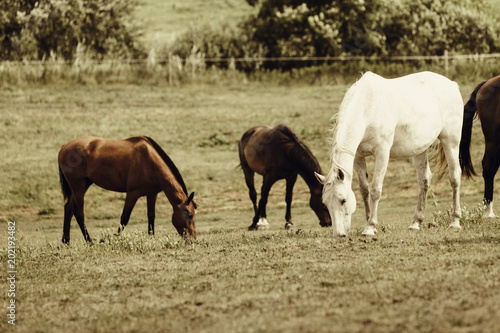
(37,30)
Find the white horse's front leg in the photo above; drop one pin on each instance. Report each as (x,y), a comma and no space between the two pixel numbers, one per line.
(364,186)
(381,162)
(424,176)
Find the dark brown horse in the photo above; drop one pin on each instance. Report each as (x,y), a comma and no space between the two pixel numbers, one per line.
(277,153)
(485,103)
(137,166)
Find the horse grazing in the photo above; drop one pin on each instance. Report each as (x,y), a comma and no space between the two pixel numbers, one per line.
(485,103)
(277,153)
(386,118)
(137,166)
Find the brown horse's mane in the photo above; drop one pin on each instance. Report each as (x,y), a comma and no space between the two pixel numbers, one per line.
(169,163)
(300,153)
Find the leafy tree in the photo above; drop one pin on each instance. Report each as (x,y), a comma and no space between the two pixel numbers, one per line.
(317,28)
(291,28)
(429,27)
(39,29)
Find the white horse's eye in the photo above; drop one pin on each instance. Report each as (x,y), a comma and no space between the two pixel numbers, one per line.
(342,202)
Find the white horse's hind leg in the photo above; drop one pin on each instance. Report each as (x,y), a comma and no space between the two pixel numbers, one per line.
(424,176)
(451,153)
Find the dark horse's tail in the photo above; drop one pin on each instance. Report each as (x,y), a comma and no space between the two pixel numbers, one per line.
(469,114)
(66,190)
(241,145)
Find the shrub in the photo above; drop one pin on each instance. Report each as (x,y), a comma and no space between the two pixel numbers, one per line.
(38,30)
(301,28)
(216,42)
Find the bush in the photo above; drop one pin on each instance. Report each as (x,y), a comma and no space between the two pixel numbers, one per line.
(210,41)
(38,30)
(301,28)
(429,27)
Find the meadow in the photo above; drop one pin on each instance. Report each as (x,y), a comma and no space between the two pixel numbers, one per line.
(229,279)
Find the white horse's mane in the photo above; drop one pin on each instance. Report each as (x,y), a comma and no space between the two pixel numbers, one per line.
(346,102)
(337,118)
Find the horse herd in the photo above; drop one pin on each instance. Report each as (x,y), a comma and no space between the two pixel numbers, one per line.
(378,117)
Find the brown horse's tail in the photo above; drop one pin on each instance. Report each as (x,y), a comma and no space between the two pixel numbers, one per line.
(66,190)
(469,114)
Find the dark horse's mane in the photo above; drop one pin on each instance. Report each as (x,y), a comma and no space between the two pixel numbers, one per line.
(299,152)
(169,163)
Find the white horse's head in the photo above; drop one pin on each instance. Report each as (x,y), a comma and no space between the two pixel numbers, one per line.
(339,198)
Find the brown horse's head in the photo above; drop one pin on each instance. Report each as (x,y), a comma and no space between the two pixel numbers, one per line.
(184,219)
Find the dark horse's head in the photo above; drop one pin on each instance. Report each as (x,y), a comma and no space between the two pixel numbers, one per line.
(183,217)
(307,165)
(319,207)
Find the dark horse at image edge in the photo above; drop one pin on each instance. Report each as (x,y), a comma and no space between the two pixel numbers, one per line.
(484,102)
(277,153)
(137,166)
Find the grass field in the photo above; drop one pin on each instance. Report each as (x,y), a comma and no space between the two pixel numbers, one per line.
(163,19)
(230,280)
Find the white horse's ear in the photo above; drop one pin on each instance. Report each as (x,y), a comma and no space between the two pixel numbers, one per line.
(321,178)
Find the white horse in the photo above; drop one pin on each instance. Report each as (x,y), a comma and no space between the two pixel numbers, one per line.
(386,118)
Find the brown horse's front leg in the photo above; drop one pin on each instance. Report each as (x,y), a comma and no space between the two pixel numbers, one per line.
(130,201)
(151,199)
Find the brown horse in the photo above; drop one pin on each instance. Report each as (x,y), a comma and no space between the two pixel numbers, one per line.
(137,166)
(277,153)
(484,102)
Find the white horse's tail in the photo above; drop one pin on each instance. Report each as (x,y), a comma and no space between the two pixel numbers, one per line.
(441,163)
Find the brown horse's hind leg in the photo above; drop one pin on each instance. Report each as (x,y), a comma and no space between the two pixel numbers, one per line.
(78,211)
(151,213)
(290,182)
(68,214)
(130,201)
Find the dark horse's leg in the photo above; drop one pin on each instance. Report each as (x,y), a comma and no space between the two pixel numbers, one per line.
(259,221)
(491,162)
(130,201)
(151,213)
(290,182)
(249,179)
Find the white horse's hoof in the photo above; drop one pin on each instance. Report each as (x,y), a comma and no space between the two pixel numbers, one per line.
(288,226)
(455,225)
(414,226)
(262,224)
(369,231)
